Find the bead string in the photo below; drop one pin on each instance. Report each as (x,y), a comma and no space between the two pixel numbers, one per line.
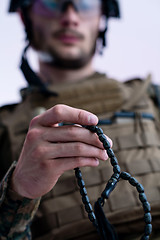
(111,184)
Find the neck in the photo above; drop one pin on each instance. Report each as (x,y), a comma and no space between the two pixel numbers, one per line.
(53,75)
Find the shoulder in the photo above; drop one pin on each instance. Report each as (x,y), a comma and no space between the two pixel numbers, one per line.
(134,81)
(152,89)
(140,86)
(8,107)
(7,110)
(138,81)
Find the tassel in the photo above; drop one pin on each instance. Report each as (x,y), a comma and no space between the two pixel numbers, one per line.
(105,228)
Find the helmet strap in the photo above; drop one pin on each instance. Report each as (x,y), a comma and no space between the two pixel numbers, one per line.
(32,78)
(102,37)
(27,23)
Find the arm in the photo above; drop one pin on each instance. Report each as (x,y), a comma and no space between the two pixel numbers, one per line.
(16,212)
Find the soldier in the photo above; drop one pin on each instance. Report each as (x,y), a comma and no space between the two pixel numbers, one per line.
(39,197)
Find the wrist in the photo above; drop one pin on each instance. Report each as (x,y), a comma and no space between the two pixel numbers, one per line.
(17,186)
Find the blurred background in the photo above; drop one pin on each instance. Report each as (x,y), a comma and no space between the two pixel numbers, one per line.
(133,47)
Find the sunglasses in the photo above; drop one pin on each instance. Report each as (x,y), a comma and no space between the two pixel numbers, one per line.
(55,8)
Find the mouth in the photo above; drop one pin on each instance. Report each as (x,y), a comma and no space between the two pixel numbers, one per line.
(68,37)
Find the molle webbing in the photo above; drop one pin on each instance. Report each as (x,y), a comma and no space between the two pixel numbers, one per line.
(137,94)
(97,94)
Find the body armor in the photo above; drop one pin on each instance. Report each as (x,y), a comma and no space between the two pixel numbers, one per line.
(136,143)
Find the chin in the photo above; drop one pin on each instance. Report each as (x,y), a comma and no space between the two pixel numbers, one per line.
(70,57)
(68,53)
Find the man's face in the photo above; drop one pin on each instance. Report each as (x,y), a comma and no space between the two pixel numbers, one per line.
(69,35)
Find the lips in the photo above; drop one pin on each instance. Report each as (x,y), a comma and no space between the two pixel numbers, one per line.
(68,36)
(68,39)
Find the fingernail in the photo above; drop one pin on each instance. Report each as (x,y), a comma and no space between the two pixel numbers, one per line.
(106,155)
(97,160)
(92,119)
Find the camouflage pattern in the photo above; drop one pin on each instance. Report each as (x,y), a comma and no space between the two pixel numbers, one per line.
(136,143)
(16,212)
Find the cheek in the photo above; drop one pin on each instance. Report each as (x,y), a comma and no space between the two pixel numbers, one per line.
(41,31)
(92,33)
(95,28)
(43,37)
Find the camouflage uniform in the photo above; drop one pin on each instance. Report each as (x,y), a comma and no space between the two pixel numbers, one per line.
(136,143)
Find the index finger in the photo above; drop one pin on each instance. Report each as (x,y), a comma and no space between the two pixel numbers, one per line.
(63,113)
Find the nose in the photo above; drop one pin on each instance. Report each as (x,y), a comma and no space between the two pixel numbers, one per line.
(69,16)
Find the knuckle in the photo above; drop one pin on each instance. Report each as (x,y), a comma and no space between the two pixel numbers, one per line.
(79,161)
(33,134)
(72,132)
(101,153)
(79,148)
(81,115)
(57,110)
(33,122)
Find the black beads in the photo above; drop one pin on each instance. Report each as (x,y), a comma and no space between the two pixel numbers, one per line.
(99,131)
(81,183)
(133,181)
(116,169)
(102,138)
(147,217)
(85,198)
(125,175)
(110,153)
(88,208)
(148,229)
(145,238)
(116,176)
(78,173)
(146,207)
(142,197)
(114,161)
(140,188)
(83,191)
(91,128)
(106,144)
(92,216)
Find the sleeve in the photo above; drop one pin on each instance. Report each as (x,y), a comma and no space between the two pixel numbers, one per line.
(16,212)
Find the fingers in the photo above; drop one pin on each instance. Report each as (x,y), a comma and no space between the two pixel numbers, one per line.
(73,149)
(74,162)
(63,113)
(71,134)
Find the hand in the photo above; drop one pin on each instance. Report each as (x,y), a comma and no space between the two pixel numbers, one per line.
(49,150)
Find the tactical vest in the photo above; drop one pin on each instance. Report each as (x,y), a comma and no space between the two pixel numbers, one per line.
(129,117)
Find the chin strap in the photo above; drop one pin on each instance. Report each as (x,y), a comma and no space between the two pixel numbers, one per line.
(32,78)
(102,36)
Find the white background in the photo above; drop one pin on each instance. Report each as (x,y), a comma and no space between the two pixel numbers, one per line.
(133,46)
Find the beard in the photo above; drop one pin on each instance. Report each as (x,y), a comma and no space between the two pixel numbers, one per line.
(71,64)
(51,56)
